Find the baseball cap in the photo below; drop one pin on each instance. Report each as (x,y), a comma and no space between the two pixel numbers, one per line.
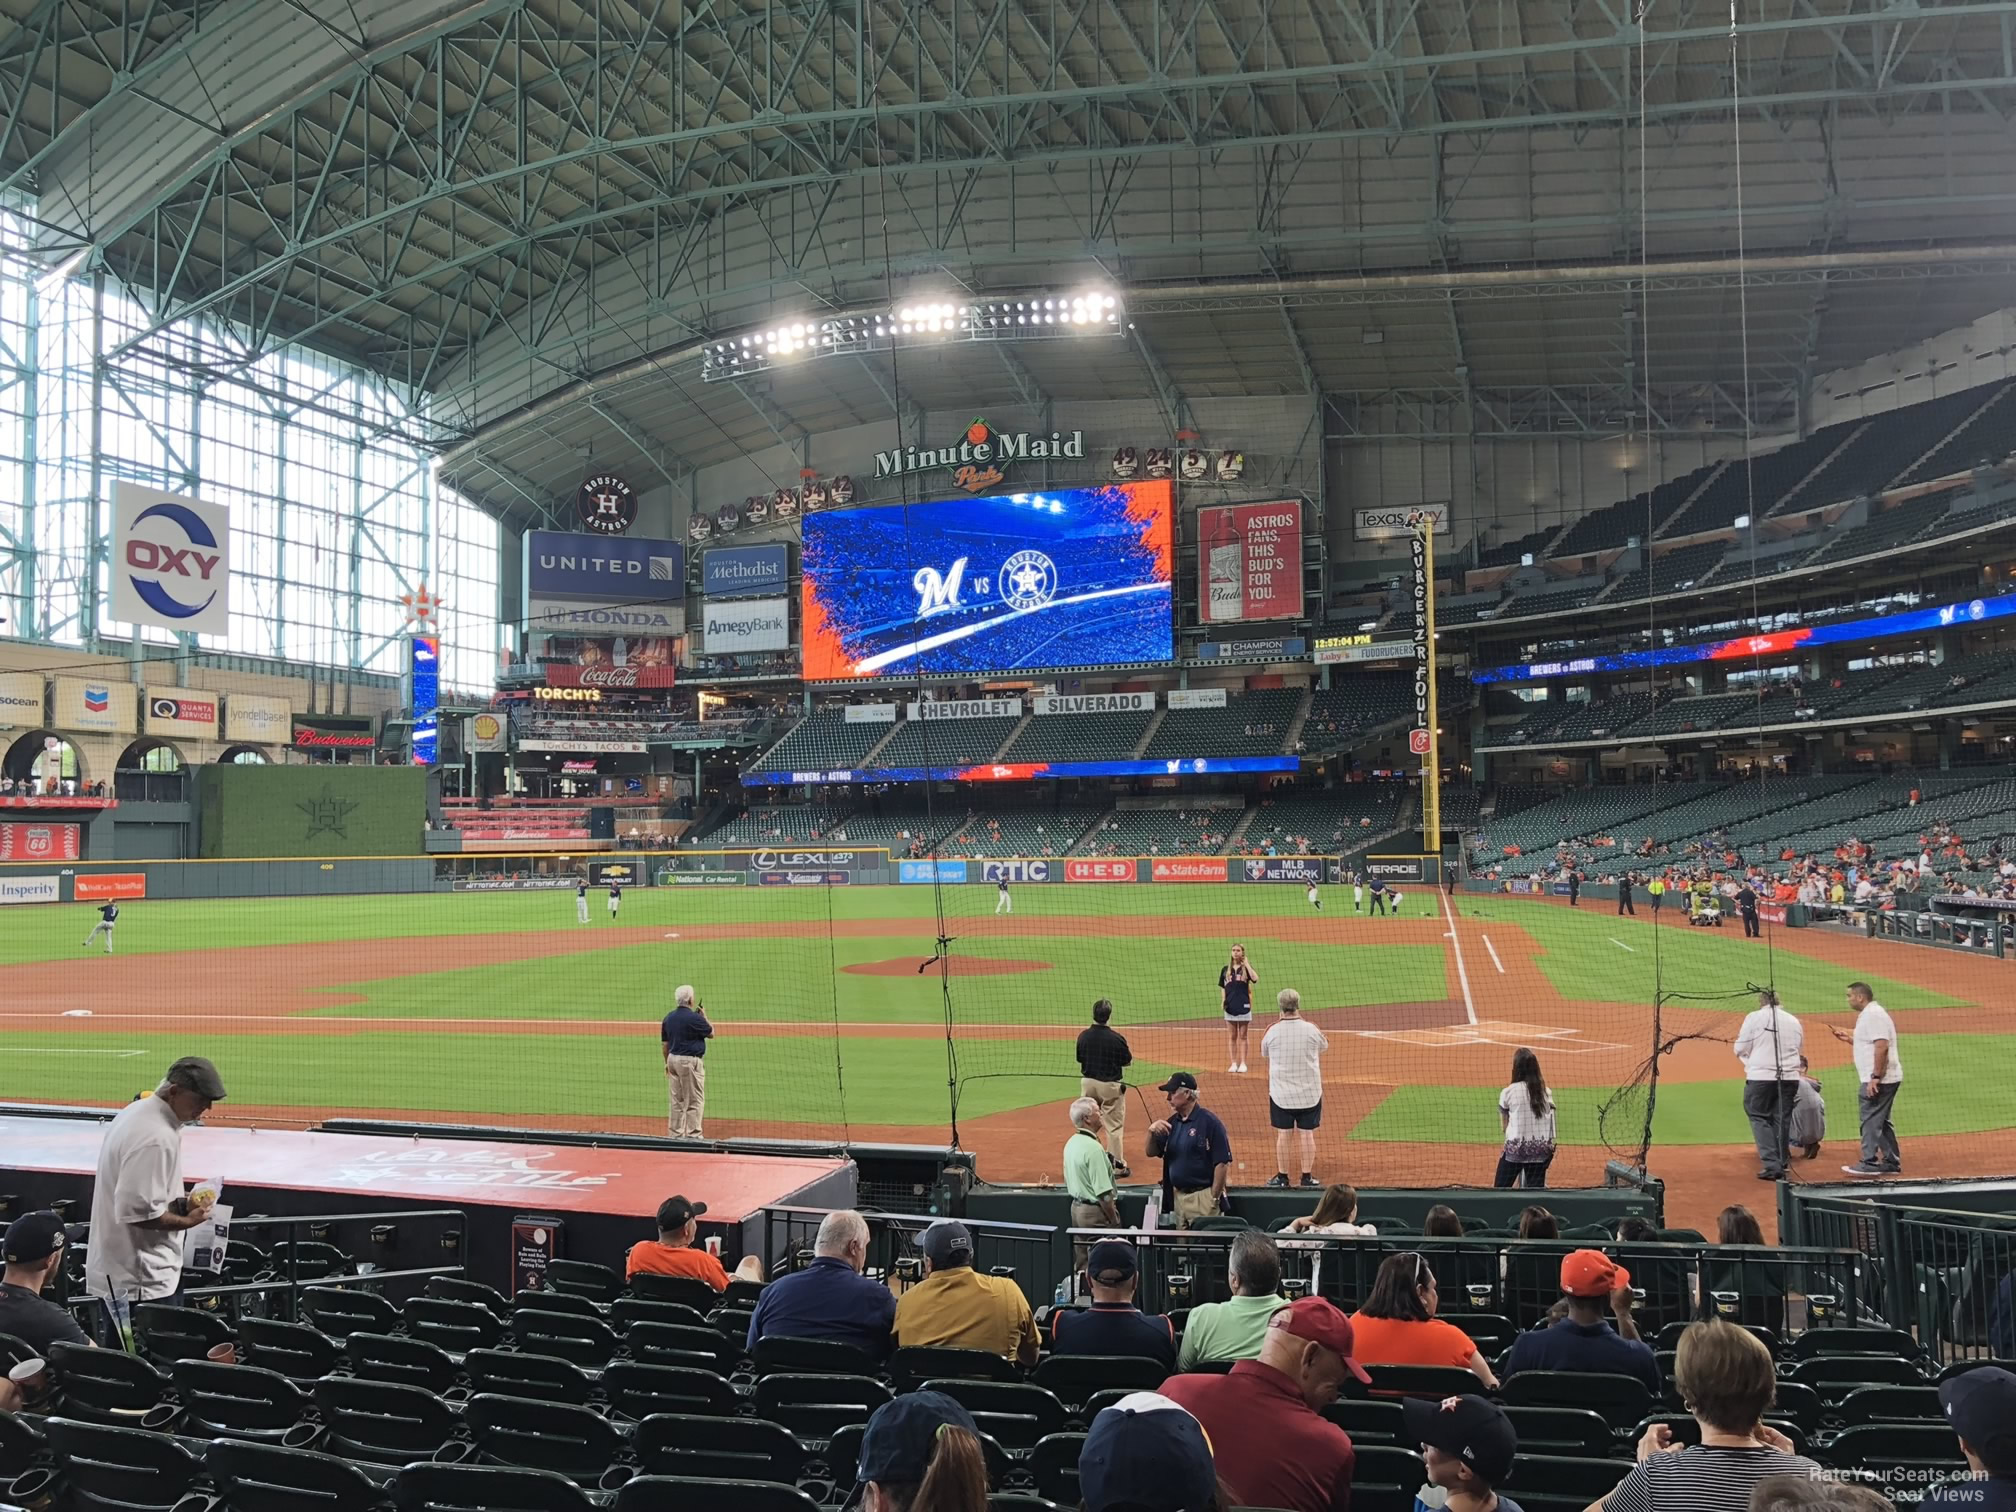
(1112,1261)
(902,1434)
(677,1212)
(33,1237)
(1591,1273)
(1320,1322)
(1476,1431)
(947,1242)
(1146,1452)
(198,1075)
(1180,1079)
(1981,1406)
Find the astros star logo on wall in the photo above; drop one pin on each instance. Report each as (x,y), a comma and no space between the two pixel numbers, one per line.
(327,813)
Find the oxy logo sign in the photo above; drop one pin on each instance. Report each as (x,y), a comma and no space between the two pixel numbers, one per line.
(171,559)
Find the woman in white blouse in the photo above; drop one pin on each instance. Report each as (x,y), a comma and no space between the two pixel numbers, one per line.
(1526,1113)
(1336,1214)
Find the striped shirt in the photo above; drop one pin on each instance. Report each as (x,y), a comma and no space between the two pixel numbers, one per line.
(1704,1479)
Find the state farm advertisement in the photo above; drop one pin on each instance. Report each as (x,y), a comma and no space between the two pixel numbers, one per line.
(1249,562)
(1187,869)
(104,885)
(1099,871)
(38,842)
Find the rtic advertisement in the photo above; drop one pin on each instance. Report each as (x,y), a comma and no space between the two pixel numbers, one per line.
(1302,869)
(1187,869)
(1016,871)
(1100,871)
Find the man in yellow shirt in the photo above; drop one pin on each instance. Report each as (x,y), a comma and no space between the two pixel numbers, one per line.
(955,1307)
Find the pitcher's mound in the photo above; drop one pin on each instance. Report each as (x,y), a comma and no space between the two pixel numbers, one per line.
(962,966)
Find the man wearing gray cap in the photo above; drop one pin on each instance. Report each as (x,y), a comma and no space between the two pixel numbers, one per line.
(138,1211)
(955,1307)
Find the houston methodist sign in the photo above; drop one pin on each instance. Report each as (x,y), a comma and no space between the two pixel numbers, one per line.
(171,561)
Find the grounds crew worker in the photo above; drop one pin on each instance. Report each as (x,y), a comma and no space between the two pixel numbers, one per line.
(1103,1058)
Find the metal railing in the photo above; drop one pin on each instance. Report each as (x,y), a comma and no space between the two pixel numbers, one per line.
(1988,936)
(1946,1274)
(1028,1252)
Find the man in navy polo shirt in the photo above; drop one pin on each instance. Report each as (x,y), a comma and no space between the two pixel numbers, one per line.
(1196,1153)
(830,1298)
(1584,1341)
(1112,1325)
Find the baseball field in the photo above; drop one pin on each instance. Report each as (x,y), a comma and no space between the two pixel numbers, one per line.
(501,1007)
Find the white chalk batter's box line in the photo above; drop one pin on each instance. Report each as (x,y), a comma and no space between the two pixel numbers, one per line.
(1491,1032)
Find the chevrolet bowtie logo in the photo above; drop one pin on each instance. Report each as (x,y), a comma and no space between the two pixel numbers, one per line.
(328,813)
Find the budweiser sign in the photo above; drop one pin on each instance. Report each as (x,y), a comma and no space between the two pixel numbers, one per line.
(609,677)
(338,739)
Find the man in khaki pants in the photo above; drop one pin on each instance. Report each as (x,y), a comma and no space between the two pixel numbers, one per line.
(1102,1058)
(684,1035)
(1196,1152)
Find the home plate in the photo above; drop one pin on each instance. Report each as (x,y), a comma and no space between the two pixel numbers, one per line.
(672,937)
(1492,1032)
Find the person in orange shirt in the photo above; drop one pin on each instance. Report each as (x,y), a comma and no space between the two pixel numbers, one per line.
(1397,1323)
(672,1252)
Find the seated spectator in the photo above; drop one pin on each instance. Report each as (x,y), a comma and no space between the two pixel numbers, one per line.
(1726,1378)
(1538,1223)
(1441,1223)
(1397,1323)
(1637,1231)
(1585,1341)
(673,1253)
(1468,1444)
(33,1248)
(1337,1214)
(1113,1325)
(1263,1418)
(1147,1454)
(921,1453)
(955,1307)
(1233,1330)
(1981,1406)
(830,1298)
(1784,1494)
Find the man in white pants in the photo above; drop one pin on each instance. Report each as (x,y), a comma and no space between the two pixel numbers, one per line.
(615,897)
(1003,903)
(108,915)
(581,901)
(1357,891)
(1293,1050)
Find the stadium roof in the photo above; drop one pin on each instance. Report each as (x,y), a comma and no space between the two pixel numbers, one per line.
(1449,219)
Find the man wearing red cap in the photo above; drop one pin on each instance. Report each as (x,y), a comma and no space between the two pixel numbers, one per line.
(1273,1447)
(1598,1291)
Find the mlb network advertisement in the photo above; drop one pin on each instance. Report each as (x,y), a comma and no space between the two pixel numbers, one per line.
(1002,583)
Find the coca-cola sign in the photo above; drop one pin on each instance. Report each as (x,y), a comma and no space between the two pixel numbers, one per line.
(600,676)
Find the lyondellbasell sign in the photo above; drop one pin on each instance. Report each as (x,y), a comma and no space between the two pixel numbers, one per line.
(981,457)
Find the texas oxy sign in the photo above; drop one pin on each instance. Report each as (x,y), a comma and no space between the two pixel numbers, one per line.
(171,561)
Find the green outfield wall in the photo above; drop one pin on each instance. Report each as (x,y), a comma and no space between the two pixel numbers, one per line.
(310,810)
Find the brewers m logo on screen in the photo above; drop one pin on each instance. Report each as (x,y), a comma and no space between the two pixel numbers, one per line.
(981,458)
(608,505)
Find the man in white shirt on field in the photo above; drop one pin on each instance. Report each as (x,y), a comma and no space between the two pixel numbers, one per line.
(1880,1073)
(1769,1044)
(1293,1050)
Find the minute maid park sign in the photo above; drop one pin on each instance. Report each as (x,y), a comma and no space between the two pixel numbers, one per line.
(982,455)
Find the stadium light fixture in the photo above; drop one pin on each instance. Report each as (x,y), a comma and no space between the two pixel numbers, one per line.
(1046,317)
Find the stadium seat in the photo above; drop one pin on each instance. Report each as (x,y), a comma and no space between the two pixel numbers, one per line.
(1815,1342)
(339,1312)
(814,1405)
(1383,1474)
(269,1478)
(582,1278)
(693,1292)
(811,1356)
(714,1448)
(1835,1376)
(307,1260)
(655,1493)
(167,1333)
(1798,1402)
(572,1441)
(586,1341)
(1076,1378)
(743,1292)
(115,1469)
(1370,1422)
(402,1361)
(295,1350)
(1576,1432)
(912,1367)
(1891,1404)
(676,1344)
(382,1422)
(541,1377)
(548,1300)
(635,1391)
(1961,1367)
(1620,1400)
(460,1289)
(1016,1501)
(1015,1413)
(105,1385)
(1053,1461)
(455,1326)
(1882,1447)
(625,1311)
(485,1488)
(238,1401)
(21,1444)
(1686,1429)
(1435,1381)
(1564,1475)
